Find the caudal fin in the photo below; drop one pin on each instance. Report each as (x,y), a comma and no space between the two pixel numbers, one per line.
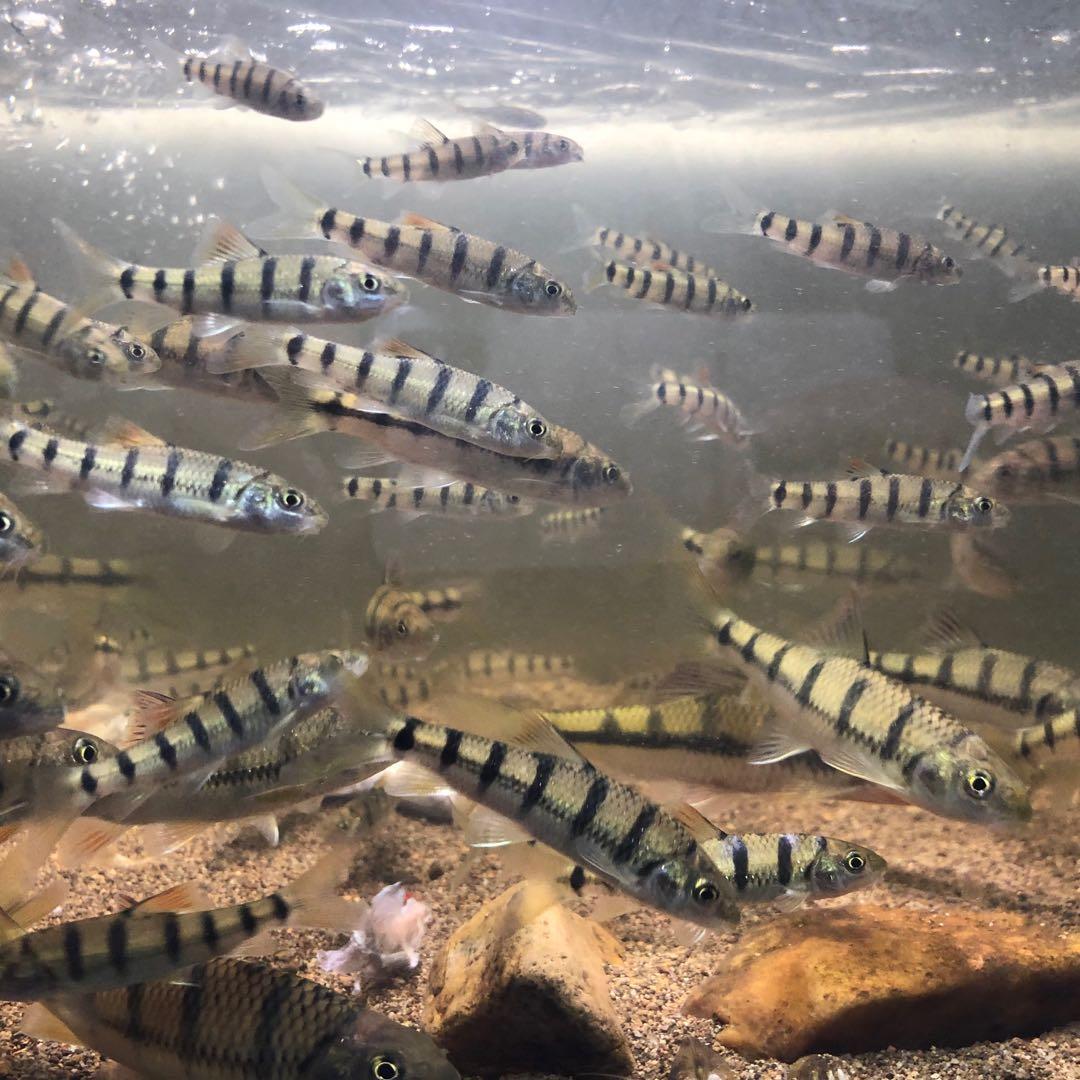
(98,272)
(297,212)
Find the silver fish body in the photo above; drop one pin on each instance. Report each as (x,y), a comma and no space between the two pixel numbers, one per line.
(457,498)
(254,85)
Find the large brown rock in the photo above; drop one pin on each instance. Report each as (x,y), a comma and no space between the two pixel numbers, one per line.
(863,978)
(513,993)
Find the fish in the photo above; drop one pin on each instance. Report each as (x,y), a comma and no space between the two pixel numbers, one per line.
(449,498)
(396,378)
(1037,404)
(674,289)
(441,159)
(700,405)
(998,370)
(21,541)
(483,664)
(548,792)
(816,1067)
(695,1061)
(979,569)
(886,256)
(9,373)
(169,738)
(1055,740)
(582,473)
(59,746)
(134,470)
(871,726)
(30,700)
(540,149)
(724,556)
(212,1025)
(991,241)
(1038,470)
(233,276)
(443,602)
(960,672)
(43,413)
(66,570)
(161,935)
(395,624)
(78,345)
(162,668)
(646,252)
(572,524)
(1062,279)
(925,460)
(442,256)
(237,79)
(870,497)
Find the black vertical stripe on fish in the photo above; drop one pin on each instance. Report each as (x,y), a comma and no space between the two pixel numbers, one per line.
(926,490)
(712,292)
(489,772)
(483,388)
(401,376)
(779,494)
(405,739)
(221,476)
(498,258)
(424,250)
(773,669)
(891,745)
(791,230)
(89,460)
(985,680)
(894,498)
(854,692)
(903,249)
(451,748)
(478,150)
(783,859)
(943,676)
(848,242)
(438,391)
(166,750)
(363,369)
(228,711)
(669,287)
(865,495)
(468,493)
(266,692)
(766,222)
(217,76)
(747,650)
(802,695)
(24,312)
(815,239)
(234,77)
(594,799)
(198,730)
(171,928)
(168,478)
(433,161)
(202,71)
(1027,678)
(874,247)
(53,325)
(128,472)
(830,497)
(391,242)
(740,863)
(459,159)
(15,442)
(691,285)
(48,455)
(406,167)
(187,293)
(127,281)
(249,78)
(807,494)
(629,844)
(646,281)
(326,223)
(73,956)
(356,231)
(545,766)
(417,496)
(269,269)
(228,285)
(461,251)
(307,265)
(268,84)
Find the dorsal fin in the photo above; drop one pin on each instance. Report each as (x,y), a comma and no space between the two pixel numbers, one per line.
(840,630)
(187,896)
(152,713)
(945,631)
(418,221)
(701,828)
(427,133)
(858,469)
(222,241)
(122,432)
(397,347)
(18,271)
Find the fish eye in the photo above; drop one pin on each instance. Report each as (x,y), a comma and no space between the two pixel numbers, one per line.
(563,144)
(553,288)
(537,428)
(855,862)
(136,351)
(402,628)
(948,262)
(6,523)
(979,783)
(514,148)
(705,892)
(9,689)
(747,303)
(513,499)
(1004,471)
(370,283)
(984,505)
(291,499)
(84,752)
(383,1068)
(610,473)
(96,357)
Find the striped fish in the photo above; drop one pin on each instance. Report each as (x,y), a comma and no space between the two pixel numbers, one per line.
(886,256)
(152,939)
(1054,741)
(699,404)
(581,473)
(924,460)
(482,664)
(43,413)
(571,524)
(998,370)
(65,571)
(1063,279)
(872,498)
(60,746)
(234,76)
(991,241)
(654,855)
(973,681)
(30,700)
(395,378)
(445,602)
(1037,404)
(171,738)
(439,255)
(233,276)
(136,470)
(81,346)
(148,668)
(442,159)
(403,692)
(455,498)
(645,252)
(869,725)
(675,289)
(541,149)
(1036,470)
(239,1020)
(396,625)
(21,541)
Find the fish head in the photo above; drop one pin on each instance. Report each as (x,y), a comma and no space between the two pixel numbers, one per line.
(406,633)
(973,509)
(76,748)
(525,433)
(933,265)
(598,479)
(720,554)
(840,867)
(316,675)
(535,292)
(269,504)
(351,290)
(107,353)
(376,1048)
(20,539)
(694,889)
(29,702)
(545,149)
(971,783)
(305,104)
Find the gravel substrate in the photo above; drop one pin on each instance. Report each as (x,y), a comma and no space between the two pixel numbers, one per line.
(935,865)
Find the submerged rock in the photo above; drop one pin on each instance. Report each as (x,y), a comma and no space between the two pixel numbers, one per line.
(864,978)
(521,988)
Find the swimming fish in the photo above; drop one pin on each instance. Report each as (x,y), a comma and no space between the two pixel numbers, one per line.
(551,794)
(925,460)
(871,497)
(439,255)
(449,498)
(1055,740)
(30,700)
(443,603)
(977,683)
(540,149)
(135,470)
(571,524)
(81,346)
(43,413)
(675,289)
(869,725)
(1062,279)
(212,1025)
(1038,470)
(395,625)
(991,241)
(700,405)
(644,251)
(440,158)
(65,570)
(150,668)
(162,935)
(1037,404)
(231,73)
(395,378)
(60,746)
(21,541)
(233,276)
(999,370)
(582,473)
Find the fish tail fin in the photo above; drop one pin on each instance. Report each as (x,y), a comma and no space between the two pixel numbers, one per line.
(297,212)
(161,53)
(584,231)
(1023,289)
(248,346)
(596,277)
(20,869)
(631,414)
(295,416)
(739,213)
(98,271)
(313,900)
